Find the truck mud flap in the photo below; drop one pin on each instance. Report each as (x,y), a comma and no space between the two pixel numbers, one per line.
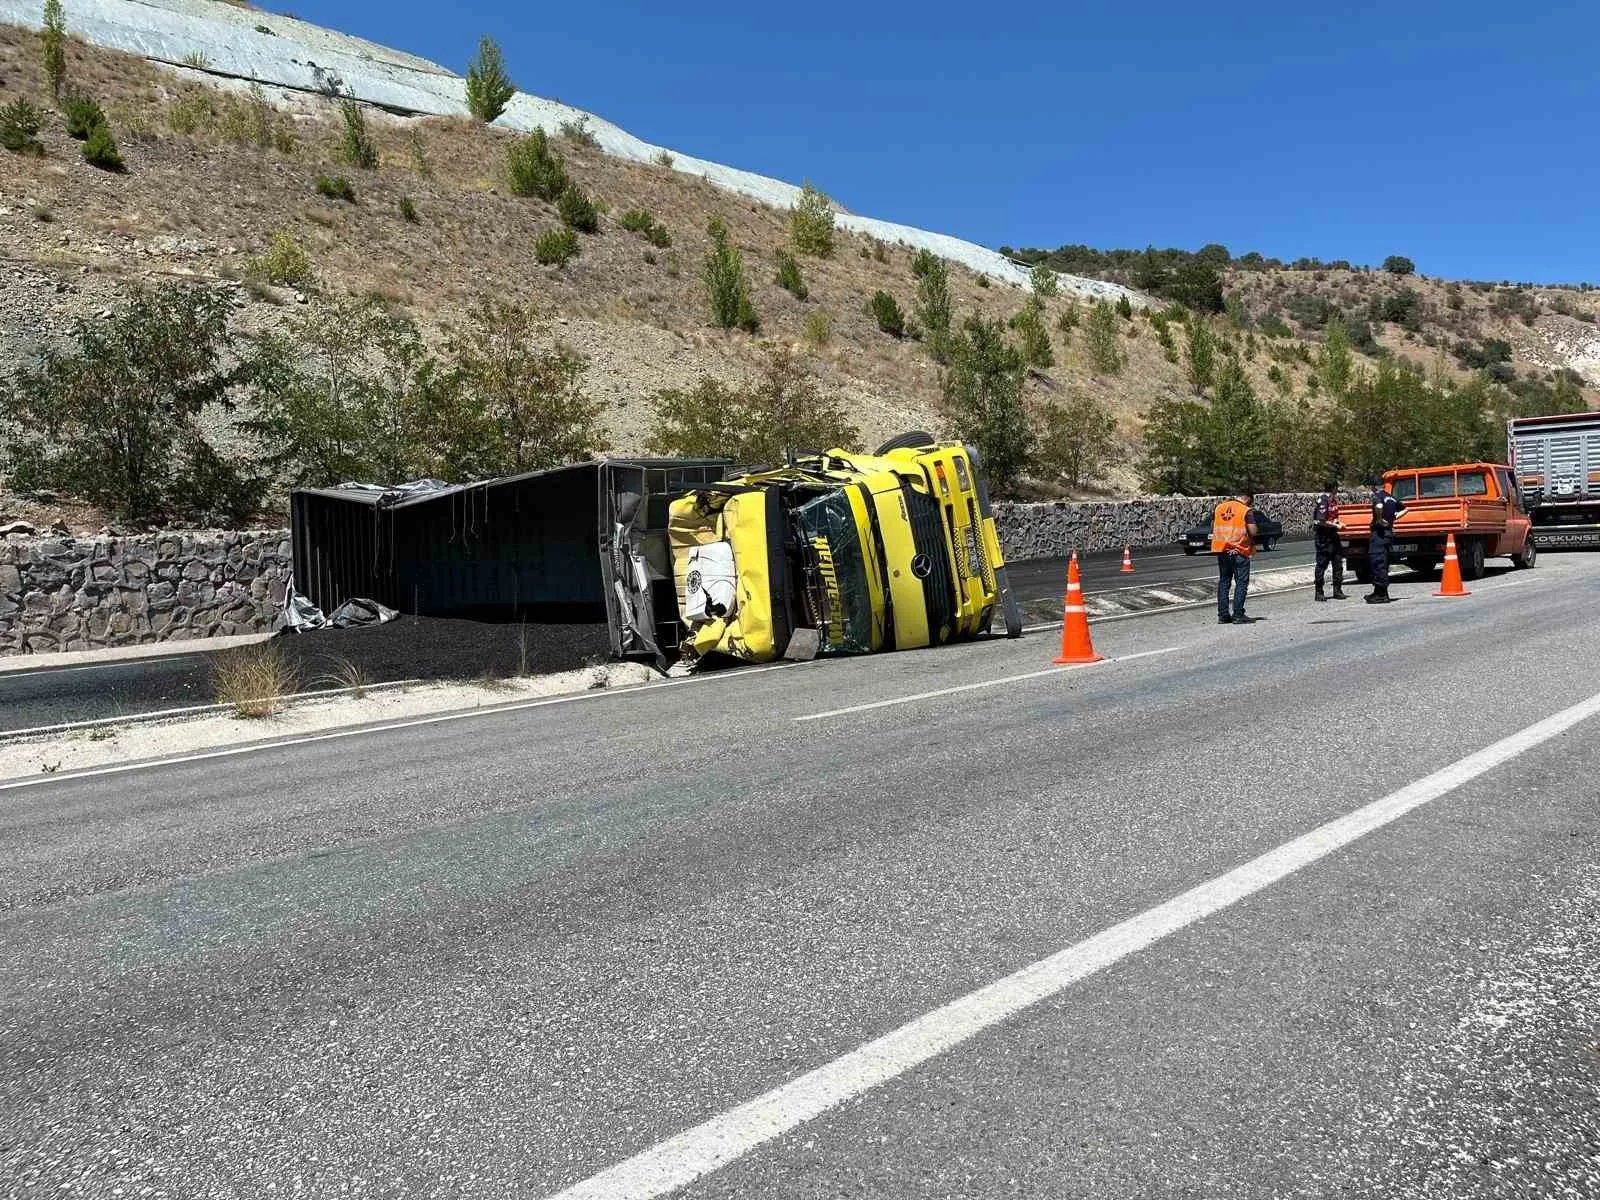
(1010,610)
(1555,537)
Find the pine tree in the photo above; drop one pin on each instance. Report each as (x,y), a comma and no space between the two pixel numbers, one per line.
(1200,355)
(1336,365)
(1101,339)
(489,87)
(54,39)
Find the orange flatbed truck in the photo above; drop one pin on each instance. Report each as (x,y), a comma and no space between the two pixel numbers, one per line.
(1479,503)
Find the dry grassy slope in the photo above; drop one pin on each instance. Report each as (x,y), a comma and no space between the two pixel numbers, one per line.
(193,205)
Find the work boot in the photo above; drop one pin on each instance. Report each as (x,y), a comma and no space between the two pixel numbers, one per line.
(1224,620)
(1339,595)
(1320,596)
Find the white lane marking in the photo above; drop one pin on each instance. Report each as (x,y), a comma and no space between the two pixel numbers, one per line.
(121,663)
(973,687)
(708,1147)
(438,719)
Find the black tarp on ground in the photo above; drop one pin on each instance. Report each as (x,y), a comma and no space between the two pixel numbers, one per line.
(581,544)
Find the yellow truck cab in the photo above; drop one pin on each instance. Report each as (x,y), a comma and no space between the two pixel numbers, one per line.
(841,553)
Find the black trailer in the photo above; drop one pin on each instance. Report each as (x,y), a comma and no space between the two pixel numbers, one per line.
(580,543)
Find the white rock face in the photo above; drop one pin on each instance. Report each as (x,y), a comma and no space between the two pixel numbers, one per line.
(306,57)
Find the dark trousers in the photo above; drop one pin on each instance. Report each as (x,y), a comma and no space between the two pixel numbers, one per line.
(1329,553)
(1233,570)
(1378,556)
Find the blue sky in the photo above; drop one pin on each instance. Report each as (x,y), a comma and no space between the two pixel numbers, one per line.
(1465,135)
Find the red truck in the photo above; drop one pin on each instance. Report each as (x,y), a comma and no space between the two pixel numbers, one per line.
(1478,502)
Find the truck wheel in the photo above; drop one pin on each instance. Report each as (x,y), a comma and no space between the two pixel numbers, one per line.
(1470,551)
(1529,555)
(910,440)
(1361,569)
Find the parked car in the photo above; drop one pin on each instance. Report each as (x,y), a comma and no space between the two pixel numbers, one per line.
(1269,532)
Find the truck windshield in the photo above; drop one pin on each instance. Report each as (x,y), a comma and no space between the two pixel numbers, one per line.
(836,574)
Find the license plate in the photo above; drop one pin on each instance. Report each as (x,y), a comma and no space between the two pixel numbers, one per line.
(1404,548)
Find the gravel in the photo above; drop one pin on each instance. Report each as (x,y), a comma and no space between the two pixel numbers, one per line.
(447,648)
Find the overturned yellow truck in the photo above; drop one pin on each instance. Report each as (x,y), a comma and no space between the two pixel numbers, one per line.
(840,553)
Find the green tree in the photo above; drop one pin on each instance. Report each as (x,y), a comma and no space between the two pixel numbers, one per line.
(513,396)
(1399,264)
(1078,442)
(982,390)
(1102,339)
(1196,285)
(727,289)
(933,300)
(1175,434)
(1029,324)
(19,127)
(489,87)
(1044,281)
(1336,365)
(53,44)
(886,311)
(1199,354)
(534,169)
(1237,451)
(113,415)
(789,277)
(1299,453)
(356,147)
(755,426)
(346,391)
(811,223)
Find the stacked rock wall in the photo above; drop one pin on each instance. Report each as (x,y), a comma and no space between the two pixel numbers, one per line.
(1056,528)
(66,593)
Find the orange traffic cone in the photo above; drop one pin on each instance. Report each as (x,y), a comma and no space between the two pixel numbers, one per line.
(1450,585)
(1127,560)
(1075,644)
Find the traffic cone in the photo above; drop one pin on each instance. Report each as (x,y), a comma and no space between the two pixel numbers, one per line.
(1450,585)
(1076,647)
(1127,560)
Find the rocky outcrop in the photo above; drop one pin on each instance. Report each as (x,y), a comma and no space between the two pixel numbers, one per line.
(1059,527)
(66,593)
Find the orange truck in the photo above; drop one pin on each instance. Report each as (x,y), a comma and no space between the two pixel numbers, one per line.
(1478,502)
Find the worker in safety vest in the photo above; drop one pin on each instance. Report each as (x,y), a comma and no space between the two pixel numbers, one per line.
(1325,525)
(1233,541)
(1385,511)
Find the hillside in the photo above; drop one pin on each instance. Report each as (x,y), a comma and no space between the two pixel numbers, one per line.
(201,198)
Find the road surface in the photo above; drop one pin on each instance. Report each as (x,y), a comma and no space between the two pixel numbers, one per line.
(52,696)
(1302,909)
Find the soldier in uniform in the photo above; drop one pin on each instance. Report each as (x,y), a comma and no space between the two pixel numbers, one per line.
(1385,511)
(1325,523)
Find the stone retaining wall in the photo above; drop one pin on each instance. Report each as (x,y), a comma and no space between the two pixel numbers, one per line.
(65,593)
(1056,528)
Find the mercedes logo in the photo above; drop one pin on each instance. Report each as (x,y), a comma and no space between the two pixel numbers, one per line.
(922,566)
(693,582)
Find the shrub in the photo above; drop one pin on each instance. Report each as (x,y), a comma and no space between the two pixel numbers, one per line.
(1069,318)
(789,277)
(727,291)
(556,247)
(285,263)
(19,126)
(577,210)
(1036,351)
(408,210)
(418,148)
(192,111)
(535,169)
(637,220)
(885,310)
(1273,326)
(817,328)
(1079,441)
(1399,264)
(811,223)
(82,115)
(933,299)
(1044,281)
(254,680)
(489,87)
(357,147)
(1124,308)
(337,187)
(53,47)
(659,237)
(664,159)
(754,426)
(579,131)
(100,149)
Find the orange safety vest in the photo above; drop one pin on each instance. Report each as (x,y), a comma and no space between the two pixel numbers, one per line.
(1230,529)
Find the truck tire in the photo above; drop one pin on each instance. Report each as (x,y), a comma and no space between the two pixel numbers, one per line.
(910,440)
(1470,552)
(1361,568)
(1527,557)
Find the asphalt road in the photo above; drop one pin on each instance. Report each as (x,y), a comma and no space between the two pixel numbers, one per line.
(495,956)
(52,696)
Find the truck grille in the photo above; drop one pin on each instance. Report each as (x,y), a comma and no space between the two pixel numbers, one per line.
(938,588)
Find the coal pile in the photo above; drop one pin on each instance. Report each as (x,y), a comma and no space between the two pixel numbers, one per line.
(442,648)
